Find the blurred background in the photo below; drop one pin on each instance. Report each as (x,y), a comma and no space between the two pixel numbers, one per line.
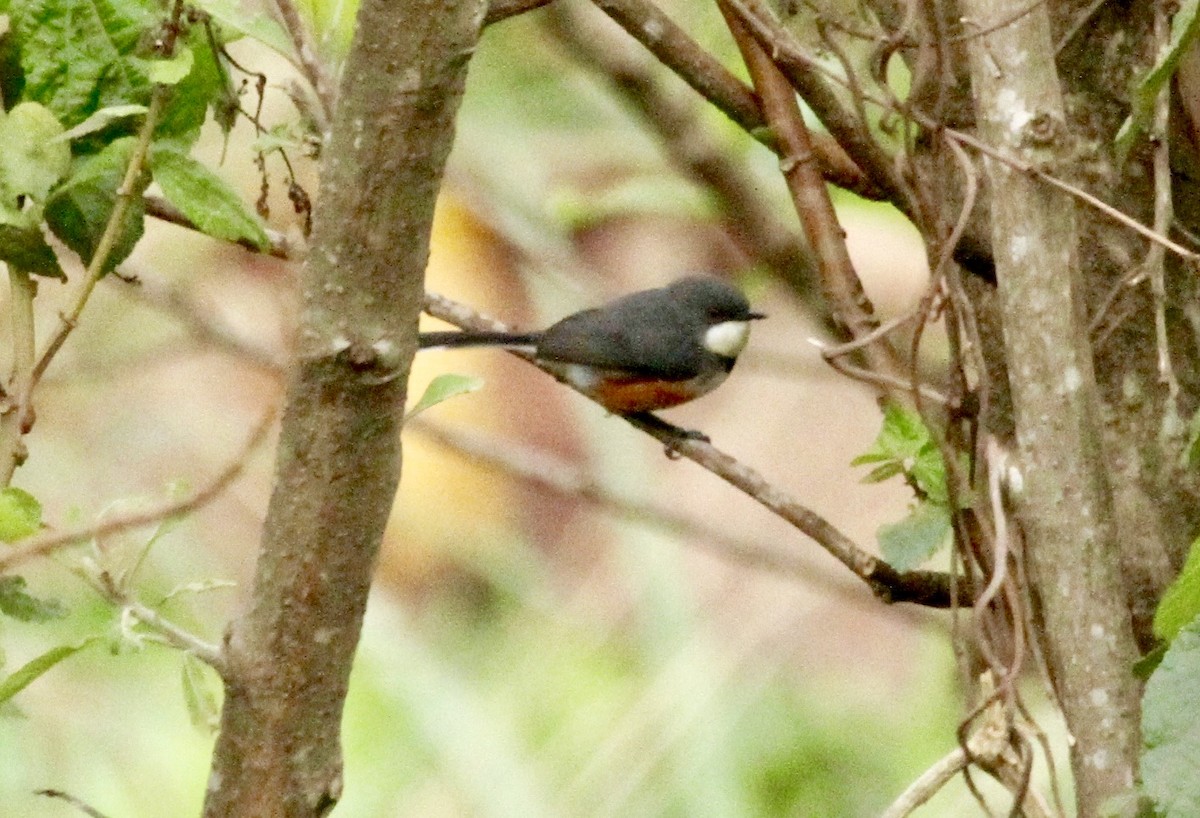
(532,648)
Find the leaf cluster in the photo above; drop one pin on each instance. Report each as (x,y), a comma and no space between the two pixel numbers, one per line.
(77,79)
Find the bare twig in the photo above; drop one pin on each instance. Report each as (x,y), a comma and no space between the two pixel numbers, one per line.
(843,289)
(310,61)
(51,541)
(14,420)
(500,10)
(751,219)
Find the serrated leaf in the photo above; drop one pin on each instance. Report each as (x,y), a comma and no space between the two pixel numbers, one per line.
(204,197)
(909,543)
(20,514)
(199,694)
(79,208)
(1171,728)
(16,602)
(1180,604)
(21,678)
(442,388)
(205,86)
(234,19)
(1185,26)
(77,55)
(101,119)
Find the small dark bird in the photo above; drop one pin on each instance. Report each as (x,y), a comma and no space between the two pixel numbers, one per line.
(645,351)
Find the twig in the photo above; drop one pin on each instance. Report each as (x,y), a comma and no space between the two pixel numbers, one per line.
(847,300)
(552,473)
(108,239)
(52,541)
(15,419)
(1164,214)
(811,80)
(751,220)
(1076,192)
(77,803)
(174,635)
(310,62)
(500,10)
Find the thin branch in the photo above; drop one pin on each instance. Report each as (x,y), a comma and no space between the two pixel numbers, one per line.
(108,239)
(1164,214)
(550,472)
(750,218)
(310,61)
(501,10)
(14,421)
(174,635)
(843,289)
(51,541)
(811,80)
(1078,193)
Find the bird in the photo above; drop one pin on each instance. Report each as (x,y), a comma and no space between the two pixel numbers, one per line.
(645,351)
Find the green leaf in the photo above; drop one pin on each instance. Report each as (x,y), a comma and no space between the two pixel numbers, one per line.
(1180,604)
(172,70)
(902,435)
(444,387)
(101,119)
(909,543)
(20,514)
(233,18)
(26,248)
(33,159)
(31,670)
(77,55)
(1185,25)
(79,209)
(1171,728)
(199,694)
(204,197)
(928,471)
(17,603)
(204,86)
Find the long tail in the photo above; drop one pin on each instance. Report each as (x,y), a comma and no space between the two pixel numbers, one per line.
(478,339)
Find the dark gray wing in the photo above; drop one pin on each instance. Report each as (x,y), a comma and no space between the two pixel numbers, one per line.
(641,334)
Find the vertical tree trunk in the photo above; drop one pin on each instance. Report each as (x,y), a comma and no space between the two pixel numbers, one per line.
(1065,504)
(289,655)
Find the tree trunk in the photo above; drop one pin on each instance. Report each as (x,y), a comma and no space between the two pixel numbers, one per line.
(338,465)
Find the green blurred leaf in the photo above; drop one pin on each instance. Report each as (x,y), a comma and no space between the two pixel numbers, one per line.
(200,694)
(234,19)
(101,119)
(1171,728)
(79,209)
(20,514)
(909,543)
(204,197)
(204,87)
(16,602)
(171,70)
(1185,25)
(77,55)
(33,159)
(20,679)
(26,249)
(1181,602)
(444,387)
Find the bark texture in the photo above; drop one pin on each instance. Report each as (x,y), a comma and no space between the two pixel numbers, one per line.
(338,464)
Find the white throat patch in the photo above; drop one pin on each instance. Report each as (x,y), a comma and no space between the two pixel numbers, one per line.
(728,338)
